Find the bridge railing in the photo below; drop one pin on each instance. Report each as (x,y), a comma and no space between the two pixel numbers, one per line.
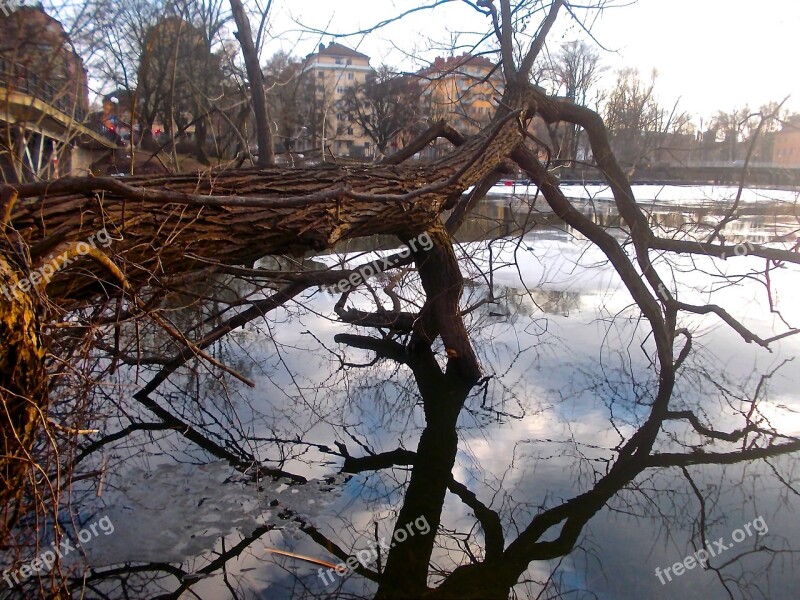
(18,77)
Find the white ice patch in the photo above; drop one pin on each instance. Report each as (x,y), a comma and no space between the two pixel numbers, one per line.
(175,512)
(683,195)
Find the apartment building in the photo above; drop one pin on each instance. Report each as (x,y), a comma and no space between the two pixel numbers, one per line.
(461,89)
(329,74)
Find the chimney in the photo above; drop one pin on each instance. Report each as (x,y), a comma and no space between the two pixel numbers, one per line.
(321,47)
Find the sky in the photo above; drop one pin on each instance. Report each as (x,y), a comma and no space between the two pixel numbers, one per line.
(709,54)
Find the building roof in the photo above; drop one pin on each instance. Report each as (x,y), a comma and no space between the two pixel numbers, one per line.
(334,49)
(454,63)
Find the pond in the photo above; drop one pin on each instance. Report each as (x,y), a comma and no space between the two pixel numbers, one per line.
(569,377)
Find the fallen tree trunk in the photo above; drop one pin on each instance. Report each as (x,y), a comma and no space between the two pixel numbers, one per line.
(176,224)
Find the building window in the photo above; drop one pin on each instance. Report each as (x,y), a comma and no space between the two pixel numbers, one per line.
(320,74)
(349,61)
(339,61)
(350,76)
(349,131)
(340,90)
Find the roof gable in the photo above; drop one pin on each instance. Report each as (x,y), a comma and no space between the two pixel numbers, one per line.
(452,64)
(338,50)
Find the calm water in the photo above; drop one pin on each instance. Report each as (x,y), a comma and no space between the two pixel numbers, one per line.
(569,377)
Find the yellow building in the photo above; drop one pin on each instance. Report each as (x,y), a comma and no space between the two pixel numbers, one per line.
(329,74)
(461,90)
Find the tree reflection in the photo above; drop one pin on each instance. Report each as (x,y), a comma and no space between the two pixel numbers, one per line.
(510,542)
(556,363)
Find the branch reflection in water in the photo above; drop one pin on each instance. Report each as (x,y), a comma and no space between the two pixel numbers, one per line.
(537,480)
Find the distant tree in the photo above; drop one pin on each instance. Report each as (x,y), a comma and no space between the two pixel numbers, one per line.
(732,128)
(177,74)
(315,106)
(775,116)
(112,37)
(255,80)
(209,18)
(573,72)
(741,128)
(156,38)
(638,124)
(383,106)
(286,98)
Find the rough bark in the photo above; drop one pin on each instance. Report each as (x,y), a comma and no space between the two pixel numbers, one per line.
(443,284)
(175,224)
(23,390)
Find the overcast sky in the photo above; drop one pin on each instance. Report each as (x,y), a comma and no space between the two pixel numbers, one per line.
(710,53)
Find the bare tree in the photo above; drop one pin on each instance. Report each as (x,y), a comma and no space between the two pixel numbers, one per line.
(167,234)
(572,71)
(177,77)
(383,106)
(636,120)
(735,128)
(288,99)
(256,80)
(576,70)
